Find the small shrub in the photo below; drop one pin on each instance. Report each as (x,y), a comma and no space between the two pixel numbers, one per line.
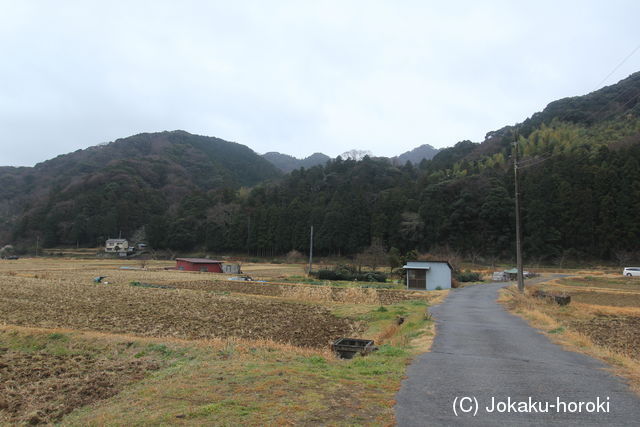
(346,273)
(438,288)
(325,274)
(468,276)
(371,276)
(294,257)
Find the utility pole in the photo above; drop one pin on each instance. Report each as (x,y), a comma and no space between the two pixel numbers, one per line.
(248,233)
(37,244)
(518,226)
(311,250)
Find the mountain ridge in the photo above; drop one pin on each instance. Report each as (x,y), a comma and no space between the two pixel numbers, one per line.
(150,170)
(191,191)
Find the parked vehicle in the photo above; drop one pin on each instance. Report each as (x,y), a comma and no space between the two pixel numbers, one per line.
(631,271)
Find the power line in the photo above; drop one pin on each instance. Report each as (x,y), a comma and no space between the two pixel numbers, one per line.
(599,87)
(618,66)
(593,115)
(633,98)
(534,161)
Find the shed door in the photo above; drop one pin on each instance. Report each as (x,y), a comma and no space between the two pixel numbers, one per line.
(417,279)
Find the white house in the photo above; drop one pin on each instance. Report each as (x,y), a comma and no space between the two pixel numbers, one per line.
(117,245)
(428,275)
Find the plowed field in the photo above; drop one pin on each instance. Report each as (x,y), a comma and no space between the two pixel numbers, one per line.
(618,333)
(37,387)
(180,313)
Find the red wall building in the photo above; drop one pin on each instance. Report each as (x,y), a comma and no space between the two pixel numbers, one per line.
(199,264)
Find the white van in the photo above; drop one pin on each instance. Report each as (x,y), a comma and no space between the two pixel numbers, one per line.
(631,271)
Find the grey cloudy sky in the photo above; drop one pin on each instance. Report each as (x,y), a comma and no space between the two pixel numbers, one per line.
(296,76)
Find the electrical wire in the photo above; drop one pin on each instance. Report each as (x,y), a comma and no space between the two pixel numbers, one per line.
(537,160)
(617,66)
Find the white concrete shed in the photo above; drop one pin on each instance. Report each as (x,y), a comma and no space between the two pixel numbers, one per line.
(428,275)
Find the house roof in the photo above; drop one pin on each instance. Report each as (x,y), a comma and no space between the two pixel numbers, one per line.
(199,260)
(116,240)
(424,265)
(512,271)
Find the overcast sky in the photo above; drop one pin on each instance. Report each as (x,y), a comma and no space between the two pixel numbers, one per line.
(297,76)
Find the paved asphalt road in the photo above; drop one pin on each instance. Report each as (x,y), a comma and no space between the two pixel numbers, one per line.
(483,352)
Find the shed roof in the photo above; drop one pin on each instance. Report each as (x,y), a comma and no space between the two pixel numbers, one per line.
(199,260)
(424,265)
(116,240)
(512,271)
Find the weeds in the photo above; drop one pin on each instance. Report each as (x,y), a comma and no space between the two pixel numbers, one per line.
(227,351)
(58,336)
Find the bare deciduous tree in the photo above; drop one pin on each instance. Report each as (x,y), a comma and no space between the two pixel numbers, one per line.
(373,256)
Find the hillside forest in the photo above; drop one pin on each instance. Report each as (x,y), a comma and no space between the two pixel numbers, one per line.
(580,193)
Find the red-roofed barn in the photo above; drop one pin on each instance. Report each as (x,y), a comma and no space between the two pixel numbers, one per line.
(199,264)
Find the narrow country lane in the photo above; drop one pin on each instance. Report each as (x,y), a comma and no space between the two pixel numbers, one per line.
(483,352)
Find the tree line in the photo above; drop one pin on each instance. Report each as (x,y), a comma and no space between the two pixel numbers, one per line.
(580,199)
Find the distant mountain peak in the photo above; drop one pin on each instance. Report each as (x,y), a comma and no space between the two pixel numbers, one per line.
(287,163)
(415,156)
(355,154)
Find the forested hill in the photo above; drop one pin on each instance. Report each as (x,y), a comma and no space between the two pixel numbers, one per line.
(96,192)
(580,195)
(604,117)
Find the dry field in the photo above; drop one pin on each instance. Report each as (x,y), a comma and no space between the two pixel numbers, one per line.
(606,309)
(177,313)
(68,343)
(45,377)
(603,318)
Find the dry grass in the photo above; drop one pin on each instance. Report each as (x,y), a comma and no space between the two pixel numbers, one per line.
(311,293)
(244,346)
(274,271)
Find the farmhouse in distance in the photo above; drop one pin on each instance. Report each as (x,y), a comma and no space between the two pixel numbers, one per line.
(119,246)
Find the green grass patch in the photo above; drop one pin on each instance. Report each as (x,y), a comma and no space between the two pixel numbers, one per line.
(58,336)
(229,408)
